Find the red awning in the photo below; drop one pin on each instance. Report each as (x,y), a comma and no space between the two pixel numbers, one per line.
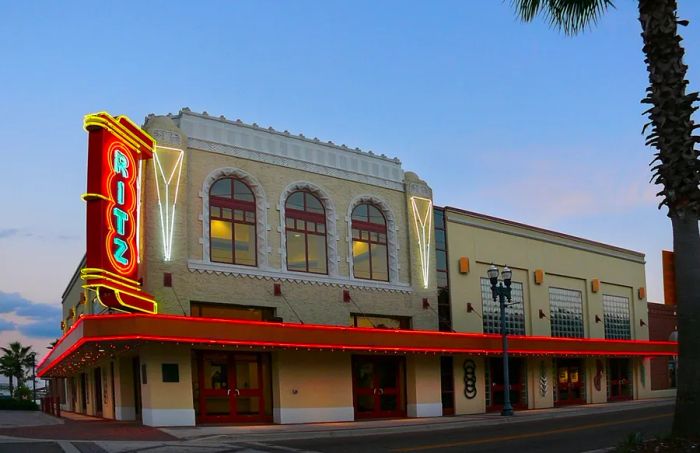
(94,337)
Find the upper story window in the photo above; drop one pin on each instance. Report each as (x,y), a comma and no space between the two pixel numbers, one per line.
(515,313)
(305,221)
(566,312)
(616,314)
(369,243)
(232,222)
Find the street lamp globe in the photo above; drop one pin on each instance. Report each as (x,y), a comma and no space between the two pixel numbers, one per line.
(493,274)
(507,274)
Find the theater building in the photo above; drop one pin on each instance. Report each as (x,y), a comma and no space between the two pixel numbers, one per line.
(236,273)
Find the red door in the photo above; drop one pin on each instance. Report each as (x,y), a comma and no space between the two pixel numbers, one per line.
(231,388)
(517,377)
(570,383)
(378,390)
(620,383)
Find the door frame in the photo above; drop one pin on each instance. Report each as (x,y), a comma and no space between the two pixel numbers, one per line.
(620,383)
(376,392)
(520,386)
(581,384)
(231,391)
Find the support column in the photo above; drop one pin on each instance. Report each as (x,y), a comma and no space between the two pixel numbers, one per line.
(166,403)
(540,383)
(469,385)
(124,405)
(424,398)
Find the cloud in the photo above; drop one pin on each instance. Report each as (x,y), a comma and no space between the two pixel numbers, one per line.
(553,190)
(8,232)
(6,325)
(38,320)
(41,329)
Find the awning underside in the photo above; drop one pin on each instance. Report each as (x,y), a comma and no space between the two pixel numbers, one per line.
(95,337)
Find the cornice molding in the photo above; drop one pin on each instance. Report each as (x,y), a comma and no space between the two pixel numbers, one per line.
(298,164)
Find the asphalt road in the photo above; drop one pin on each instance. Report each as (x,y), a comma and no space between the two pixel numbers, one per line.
(567,435)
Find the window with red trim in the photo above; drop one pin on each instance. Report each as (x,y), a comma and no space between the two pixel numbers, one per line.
(232,223)
(305,221)
(369,243)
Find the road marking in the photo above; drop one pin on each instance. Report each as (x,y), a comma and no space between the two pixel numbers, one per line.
(67,446)
(525,436)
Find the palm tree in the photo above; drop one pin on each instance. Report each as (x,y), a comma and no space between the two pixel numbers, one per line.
(15,361)
(6,369)
(676,164)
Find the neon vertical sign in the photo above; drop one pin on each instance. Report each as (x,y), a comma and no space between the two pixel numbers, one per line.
(116,149)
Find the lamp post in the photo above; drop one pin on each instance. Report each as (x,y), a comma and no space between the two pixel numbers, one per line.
(500,294)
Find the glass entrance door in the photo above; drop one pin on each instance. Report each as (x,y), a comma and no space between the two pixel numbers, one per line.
(620,385)
(231,388)
(517,377)
(570,379)
(378,390)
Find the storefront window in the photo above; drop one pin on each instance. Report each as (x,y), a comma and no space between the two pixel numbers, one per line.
(515,313)
(566,309)
(369,243)
(305,221)
(616,314)
(232,223)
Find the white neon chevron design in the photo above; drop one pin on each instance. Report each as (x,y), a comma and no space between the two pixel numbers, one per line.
(423,220)
(168,168)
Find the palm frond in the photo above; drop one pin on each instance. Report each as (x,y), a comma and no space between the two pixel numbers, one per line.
(571,16)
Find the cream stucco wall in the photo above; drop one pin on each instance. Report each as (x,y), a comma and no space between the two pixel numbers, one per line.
(311,386)
(166,403)
(423,397)
(540,385)
(567,262)
(463,404)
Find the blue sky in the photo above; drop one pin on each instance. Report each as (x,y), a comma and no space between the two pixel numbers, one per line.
(509,119)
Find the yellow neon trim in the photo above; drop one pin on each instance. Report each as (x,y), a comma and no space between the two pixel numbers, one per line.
(107,121)
(424,231)
(117,282)
(117,293)
(97,296)
(97,270)
(94,196)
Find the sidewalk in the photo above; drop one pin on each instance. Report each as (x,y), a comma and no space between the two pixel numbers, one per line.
(37,425)
(252,433)
(118,435)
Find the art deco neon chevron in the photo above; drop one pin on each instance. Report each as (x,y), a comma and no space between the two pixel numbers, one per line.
(168,168)
(423,220)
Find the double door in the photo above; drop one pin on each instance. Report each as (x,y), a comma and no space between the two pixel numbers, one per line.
(378,387)
(232,387)
(619,377)
(570,382)
(496,391)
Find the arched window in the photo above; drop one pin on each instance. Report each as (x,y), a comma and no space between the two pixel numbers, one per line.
(232,222)
(305,221)
(369,243)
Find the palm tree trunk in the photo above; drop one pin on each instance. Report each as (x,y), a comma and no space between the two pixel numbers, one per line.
(686,247)
(12,387)
(678,171)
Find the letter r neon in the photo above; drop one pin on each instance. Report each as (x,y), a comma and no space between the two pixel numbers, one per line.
(121,164)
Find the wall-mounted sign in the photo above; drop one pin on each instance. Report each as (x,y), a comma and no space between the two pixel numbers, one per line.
(116,149)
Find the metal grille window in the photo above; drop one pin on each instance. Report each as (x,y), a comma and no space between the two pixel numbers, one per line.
(616,314)
(566,312)
(515,316)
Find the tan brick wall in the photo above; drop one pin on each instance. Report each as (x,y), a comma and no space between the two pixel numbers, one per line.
(313,303)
